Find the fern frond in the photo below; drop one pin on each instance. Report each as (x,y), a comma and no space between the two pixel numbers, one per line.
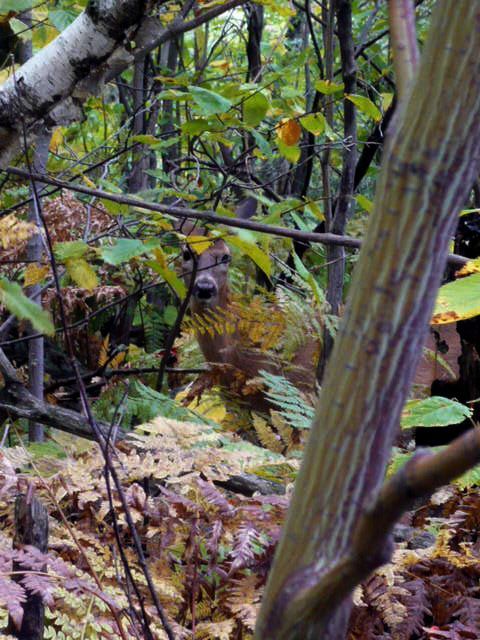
(291,404)
(267,437)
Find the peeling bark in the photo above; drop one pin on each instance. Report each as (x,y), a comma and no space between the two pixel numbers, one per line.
(103,41)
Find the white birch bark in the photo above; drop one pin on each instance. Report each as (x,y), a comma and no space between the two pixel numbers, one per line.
(104,40)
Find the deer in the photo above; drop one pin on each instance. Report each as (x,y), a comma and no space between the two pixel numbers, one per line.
(225,350)
(210,293)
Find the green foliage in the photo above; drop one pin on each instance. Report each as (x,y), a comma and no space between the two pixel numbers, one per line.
(123,250)
(12,296)
(15,5)
(315,123)
(255,109)
(288,401)
(366,106)
(458,300)
(136,403)
(259,257)
(62,18)
(210,550)
(208,102)
(67,250)
(433,412)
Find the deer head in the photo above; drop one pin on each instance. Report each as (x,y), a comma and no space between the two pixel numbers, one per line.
(210,272)
(210,289)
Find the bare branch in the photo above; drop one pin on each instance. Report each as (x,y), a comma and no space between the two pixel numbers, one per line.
(403,37)
(211,216)
(94,49)
(371,544)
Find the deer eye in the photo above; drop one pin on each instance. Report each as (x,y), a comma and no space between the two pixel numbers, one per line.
(186,255)
(225,258)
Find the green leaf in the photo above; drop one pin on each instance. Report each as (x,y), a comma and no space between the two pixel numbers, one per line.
(290,152)
(312,207)
(465,212)
(261,259)
(173,94)
(458,300)
(115,208)
(146,139)
(19,29)
(170,278)
(62,18)
(12,296)
(70,250)
(82,273)
(16,6)
(433,412)
(170,315)
(365,105)
(262,143)
(209,102)
(195,127)
(328,88)
(314,123)
(255,109)
(123,250)
(469,479)
(365,203)
(307,277)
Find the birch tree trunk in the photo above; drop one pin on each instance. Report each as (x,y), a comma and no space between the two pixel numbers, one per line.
(103,41)
(430,161)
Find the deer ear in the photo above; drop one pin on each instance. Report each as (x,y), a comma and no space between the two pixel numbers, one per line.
(246,208)
(188,227)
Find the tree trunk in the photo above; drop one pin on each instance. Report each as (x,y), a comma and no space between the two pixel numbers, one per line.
(424,181)
(344,202)
(137,180)
(36,355)
(31,528)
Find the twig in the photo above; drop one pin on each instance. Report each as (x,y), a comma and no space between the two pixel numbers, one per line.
(211,216)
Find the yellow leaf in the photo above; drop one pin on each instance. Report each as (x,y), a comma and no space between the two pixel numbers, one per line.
(56,139)
(199,243)
(89,182)
(103,352)
(472,266)
(117,360)
(34,274)
(289,132)
(224,65)
(209,406)
(14,231)
(160,257)
(81,273)
(387,99)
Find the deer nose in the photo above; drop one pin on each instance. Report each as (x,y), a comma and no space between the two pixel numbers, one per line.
(205,290)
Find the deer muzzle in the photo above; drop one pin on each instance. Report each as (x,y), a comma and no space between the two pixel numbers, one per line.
(205,290)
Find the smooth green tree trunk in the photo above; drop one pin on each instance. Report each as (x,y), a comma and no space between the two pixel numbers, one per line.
(428,167)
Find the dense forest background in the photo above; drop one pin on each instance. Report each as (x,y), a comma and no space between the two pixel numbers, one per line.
(150,450)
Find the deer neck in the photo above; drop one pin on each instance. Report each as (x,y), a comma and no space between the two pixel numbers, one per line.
(219,346)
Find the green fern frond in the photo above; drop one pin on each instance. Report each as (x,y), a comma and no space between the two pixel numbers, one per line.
(289,401)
